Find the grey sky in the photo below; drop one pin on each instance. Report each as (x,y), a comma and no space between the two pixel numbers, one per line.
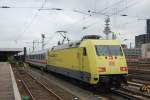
(23,23)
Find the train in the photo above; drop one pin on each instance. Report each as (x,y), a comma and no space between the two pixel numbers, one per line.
(90,60)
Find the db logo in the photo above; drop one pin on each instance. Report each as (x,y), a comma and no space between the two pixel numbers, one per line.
(111,63)
(110,57)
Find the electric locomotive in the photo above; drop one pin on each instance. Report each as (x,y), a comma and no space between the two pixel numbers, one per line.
(90,60)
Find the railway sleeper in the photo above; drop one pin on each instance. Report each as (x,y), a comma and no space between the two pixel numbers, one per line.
(145,88)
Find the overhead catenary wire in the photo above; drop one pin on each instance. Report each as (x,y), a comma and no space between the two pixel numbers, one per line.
(104,14)
(34,17)
(91,13)
(42,6)
(128,6)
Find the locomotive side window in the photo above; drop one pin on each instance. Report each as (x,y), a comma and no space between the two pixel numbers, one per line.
(108,50)
(84,51)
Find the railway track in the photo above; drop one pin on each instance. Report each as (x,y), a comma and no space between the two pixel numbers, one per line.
(138,82)
(131,94)
(122,93)
(139,76)
(140,71)
(35,88)
(83,92)
(126,95)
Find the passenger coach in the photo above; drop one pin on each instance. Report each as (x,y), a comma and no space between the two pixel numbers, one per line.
(38,58)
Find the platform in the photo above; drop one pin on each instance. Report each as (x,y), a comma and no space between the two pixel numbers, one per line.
(8,87)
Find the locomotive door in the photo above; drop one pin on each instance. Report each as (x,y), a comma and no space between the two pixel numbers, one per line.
(83,63)
(80,62)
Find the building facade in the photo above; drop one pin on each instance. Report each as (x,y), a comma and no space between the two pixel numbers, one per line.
(144,38)
(148,30)
(139,40)
(132,55)
(145,51)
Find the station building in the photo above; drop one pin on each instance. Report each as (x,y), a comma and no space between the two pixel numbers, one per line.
(139,40)
(6,53)
(145,51)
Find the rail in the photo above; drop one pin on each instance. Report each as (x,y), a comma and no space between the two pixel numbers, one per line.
(26,83)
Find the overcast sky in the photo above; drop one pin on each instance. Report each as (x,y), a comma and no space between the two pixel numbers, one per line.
(23,22)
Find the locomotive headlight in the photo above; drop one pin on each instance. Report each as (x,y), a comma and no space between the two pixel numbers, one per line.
(101,69)
(124,68)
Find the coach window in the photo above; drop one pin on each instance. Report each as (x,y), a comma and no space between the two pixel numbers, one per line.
(38,57)
(42,57)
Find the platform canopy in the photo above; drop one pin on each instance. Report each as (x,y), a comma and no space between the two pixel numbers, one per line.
(7,52)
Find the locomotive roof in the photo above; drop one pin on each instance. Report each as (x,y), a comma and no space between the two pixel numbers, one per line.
(67,45)
(94,41)
(104,42)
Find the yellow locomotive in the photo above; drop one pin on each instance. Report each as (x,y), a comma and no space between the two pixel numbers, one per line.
(91,60)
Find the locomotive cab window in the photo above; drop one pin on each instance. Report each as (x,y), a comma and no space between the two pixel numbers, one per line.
(108,50)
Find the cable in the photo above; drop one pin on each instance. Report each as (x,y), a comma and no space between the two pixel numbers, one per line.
(34,17)
(131,5)
(99,12)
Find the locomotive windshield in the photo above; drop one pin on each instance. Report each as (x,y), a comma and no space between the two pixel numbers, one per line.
(108,50)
